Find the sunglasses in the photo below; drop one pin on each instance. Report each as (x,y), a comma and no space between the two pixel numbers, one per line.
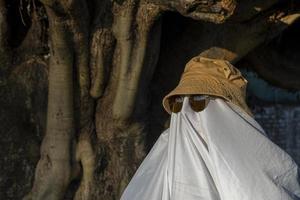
(197,102)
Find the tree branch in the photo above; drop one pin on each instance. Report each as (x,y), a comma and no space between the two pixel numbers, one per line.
(247,10)
(210,11)
(102,48)
(262,30)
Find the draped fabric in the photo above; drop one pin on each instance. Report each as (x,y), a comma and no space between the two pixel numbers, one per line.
(220,153)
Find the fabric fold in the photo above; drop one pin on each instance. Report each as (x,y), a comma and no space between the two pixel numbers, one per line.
(220,153)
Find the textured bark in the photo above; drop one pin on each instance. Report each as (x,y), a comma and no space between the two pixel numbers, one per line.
(4,49)
(247,10)
(53,173)
(120,134)
(211,11)
(69,104)
(133,47)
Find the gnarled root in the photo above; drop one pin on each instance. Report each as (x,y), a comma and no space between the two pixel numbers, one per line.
(101,54)
(53,173)
(133,47)
(57,166)
(86,156)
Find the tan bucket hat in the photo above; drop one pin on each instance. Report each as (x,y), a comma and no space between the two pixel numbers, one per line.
(211,77)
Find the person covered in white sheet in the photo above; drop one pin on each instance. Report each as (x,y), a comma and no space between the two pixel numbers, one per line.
(214,149)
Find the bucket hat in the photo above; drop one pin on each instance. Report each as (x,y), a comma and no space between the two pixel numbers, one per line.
(215,77)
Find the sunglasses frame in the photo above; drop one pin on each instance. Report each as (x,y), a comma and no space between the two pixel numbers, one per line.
(197,102)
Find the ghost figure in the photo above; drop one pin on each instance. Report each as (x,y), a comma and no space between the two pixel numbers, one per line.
(213,149)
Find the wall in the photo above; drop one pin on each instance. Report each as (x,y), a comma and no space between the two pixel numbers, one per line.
(277,110)
(282,124)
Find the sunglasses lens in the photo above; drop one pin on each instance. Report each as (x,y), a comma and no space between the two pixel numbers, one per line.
(198,104)
(176,104)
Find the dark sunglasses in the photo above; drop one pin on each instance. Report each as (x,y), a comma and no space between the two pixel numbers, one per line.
(197,102)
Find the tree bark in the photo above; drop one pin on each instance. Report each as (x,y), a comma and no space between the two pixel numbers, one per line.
(4,49)
(54,170)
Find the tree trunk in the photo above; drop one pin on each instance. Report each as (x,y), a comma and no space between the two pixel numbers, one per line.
(54,170)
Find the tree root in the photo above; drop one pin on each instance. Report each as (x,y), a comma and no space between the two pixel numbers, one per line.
(101,54)
(69,53)
(86,156)
(133,47)
(53,172)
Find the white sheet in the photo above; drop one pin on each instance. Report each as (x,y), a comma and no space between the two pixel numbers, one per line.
(220,153)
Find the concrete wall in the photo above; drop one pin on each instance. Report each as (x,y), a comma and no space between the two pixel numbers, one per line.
(282,124)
